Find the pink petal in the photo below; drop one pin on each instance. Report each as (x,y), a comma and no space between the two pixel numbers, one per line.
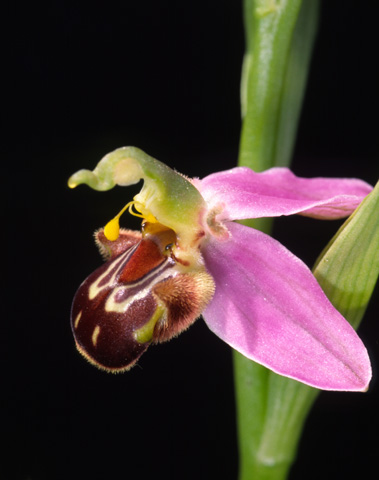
(269,307)
(275,192)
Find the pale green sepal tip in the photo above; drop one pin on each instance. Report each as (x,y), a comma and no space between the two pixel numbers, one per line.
(104,176)
(348,268)
(89,178)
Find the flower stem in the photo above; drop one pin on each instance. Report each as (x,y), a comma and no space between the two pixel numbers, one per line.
(271,411)
(279,41)
(279,38)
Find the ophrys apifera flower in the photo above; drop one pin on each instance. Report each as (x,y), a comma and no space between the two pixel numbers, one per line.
(192,259)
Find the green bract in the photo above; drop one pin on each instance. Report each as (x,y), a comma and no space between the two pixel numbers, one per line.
(348,268)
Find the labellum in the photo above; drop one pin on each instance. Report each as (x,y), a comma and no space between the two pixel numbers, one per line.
(143,294)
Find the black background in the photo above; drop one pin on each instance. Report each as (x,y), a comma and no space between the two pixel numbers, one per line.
(80,81)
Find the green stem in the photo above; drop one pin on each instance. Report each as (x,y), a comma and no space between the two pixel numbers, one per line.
(279,43)
(279,35)
(269,28)
(270,415)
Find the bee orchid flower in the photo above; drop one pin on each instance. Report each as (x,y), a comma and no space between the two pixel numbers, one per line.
(191,258)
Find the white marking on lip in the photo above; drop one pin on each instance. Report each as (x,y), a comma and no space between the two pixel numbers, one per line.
(78,316)
(111,305)
(95,335)
(94,288)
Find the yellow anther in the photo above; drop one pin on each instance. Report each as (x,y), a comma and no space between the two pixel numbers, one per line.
(146,215)
(132,212)
(112,228)
(150,218)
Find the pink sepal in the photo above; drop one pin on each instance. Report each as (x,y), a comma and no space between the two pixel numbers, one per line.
(246,194)
(269,307)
